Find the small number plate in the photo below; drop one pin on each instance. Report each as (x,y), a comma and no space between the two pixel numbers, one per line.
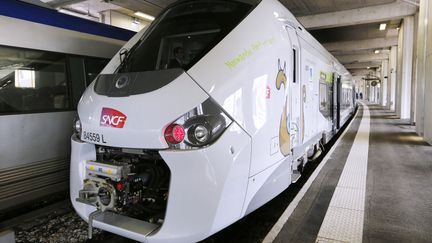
(93,137)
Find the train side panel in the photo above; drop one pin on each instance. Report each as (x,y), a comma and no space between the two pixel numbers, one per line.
(44,37)
(36,116)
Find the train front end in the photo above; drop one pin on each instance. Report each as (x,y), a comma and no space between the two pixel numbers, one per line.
(154,157)
(144,168)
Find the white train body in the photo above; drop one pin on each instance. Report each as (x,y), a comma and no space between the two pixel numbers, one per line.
(269,106)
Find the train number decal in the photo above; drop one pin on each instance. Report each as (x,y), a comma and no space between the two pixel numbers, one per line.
(93,137)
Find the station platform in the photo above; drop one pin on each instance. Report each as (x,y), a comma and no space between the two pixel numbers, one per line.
(374,186)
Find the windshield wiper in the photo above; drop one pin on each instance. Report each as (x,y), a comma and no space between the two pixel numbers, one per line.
(123,54)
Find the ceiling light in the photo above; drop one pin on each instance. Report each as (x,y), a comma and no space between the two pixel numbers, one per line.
(144,16)
(377,51)
(382,26)
(368,67)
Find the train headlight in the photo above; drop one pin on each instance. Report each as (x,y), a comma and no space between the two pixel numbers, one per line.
(77,127)
(201,134)
(202,126)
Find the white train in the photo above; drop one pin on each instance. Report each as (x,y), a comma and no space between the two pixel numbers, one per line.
(46,61)
(209,114)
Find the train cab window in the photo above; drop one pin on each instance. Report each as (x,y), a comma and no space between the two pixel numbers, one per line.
(32,81)
(184,34)
(178,51)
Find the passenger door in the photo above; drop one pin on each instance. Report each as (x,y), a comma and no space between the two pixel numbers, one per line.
(295,120)
(337,92)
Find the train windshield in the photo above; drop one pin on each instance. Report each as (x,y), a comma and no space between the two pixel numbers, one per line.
(184,34)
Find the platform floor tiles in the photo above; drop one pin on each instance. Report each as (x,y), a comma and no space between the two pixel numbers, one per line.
(376,186)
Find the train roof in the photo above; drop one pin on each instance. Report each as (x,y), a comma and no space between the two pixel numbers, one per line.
(38,14)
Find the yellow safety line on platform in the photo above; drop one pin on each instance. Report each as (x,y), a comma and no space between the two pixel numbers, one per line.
(344,218)
(271,235)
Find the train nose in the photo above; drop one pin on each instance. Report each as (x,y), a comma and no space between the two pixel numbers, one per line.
(133,110)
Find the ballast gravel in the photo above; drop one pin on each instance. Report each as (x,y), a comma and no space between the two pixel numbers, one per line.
(54,228)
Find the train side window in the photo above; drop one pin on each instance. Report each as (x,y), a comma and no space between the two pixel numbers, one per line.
(82,71)
(323,97)
(324,105)
(32,81)
(77,77)
(93,66)
(347,94)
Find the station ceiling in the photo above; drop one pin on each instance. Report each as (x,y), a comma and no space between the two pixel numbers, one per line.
(311,7)
(356,32)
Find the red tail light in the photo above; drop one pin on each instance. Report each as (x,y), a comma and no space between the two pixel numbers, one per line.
(174,134)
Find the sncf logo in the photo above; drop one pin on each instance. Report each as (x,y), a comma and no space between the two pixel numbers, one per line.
(112,118)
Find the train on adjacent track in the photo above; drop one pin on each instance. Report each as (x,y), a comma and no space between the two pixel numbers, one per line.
(202,118)
(46,60)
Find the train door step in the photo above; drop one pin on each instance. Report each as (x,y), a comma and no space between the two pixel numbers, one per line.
(295,176)
(125,226)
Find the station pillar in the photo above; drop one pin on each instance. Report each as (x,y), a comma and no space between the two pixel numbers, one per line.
(404,73)
(392,83)
(384,79)
(424,72)
(421,66)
